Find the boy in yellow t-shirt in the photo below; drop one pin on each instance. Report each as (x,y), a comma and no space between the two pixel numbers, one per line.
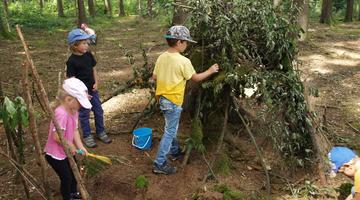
(171,72)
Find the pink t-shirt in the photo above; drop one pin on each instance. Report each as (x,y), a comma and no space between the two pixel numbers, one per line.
(68,123)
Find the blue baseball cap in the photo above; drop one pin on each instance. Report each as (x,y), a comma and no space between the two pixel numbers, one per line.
(76,35)
(338,156)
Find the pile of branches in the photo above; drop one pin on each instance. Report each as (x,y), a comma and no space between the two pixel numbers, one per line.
(255,46)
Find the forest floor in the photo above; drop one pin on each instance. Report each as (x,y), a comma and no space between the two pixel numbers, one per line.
(330,61)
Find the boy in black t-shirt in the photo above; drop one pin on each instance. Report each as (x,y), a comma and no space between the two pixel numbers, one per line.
(81,64)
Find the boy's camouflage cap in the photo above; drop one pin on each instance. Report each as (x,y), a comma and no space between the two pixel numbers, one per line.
(179,32)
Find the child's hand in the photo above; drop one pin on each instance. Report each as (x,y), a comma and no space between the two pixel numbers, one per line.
(72,149)
(214,68)
(84,152)
(95,87)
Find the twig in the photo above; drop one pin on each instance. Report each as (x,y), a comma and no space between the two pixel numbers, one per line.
(222,134)
(353,128)
(143,113)
(258,152)
(209,166)
(60,132)
(26,175)
(183,6)
(328,106)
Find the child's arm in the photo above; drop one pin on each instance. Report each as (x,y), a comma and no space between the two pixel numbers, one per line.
(78,143)
(57,140)
(96,80)
(201,76)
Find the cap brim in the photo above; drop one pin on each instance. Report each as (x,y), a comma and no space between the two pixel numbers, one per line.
(84,102)
(171,37)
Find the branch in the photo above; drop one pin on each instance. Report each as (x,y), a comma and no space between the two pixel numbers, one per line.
(258,152)
(183,6)
(25,174)
(50,112)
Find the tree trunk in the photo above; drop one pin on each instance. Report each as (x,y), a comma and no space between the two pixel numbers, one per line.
(179,16)
(326,10)
(60,8)
(121,8)
(303,18)
(358,18)
(4,25)
(139,7)
(81,12)
(41,3)
(107,9)
(349,10)
(276,2)
(6,7)
(149,8)
(91,8)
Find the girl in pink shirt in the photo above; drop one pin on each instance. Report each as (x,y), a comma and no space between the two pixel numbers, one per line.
(71,97)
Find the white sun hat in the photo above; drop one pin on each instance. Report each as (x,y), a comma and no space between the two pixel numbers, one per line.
(76,88)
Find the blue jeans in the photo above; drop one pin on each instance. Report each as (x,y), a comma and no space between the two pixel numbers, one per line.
(168,143)
(84,115)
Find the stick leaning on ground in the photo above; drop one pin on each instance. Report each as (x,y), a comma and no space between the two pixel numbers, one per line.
(44,98)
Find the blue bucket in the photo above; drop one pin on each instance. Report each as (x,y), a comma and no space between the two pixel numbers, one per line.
(142,138)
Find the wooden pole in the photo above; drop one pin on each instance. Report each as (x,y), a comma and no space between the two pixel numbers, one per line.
(50,112)
(34,130)
(258,152)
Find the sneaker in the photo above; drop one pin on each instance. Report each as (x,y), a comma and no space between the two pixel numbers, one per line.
(90,142)
(76,196)
(104,138)
(164,169)
(178,156)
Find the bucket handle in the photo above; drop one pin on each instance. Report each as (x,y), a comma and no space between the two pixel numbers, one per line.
(133,143)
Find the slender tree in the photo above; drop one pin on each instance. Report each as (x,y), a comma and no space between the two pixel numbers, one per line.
(107,8)
(6,7)
(41,3)
(149,8)
(349,10)
(276,2)
(179,12)
(358,18)
(60,8)
(81,12)
(326,10)
(4,27)
(91,8)
(139,7)
(303,18)
(121,8)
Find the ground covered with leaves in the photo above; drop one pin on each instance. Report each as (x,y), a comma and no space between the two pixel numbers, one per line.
(329,61)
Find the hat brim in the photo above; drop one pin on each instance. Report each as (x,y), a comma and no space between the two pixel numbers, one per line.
(83,37)
(186,39)
(84,102)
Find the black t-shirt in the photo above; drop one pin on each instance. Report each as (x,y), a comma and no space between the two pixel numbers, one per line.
(81,66)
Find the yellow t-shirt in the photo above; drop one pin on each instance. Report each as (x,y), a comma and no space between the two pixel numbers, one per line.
(172,70)
(357,179)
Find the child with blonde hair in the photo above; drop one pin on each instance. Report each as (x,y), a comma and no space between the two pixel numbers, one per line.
(71,97)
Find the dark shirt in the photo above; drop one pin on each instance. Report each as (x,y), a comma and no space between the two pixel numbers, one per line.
(81,66)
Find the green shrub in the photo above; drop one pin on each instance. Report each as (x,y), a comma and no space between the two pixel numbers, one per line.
(141,182)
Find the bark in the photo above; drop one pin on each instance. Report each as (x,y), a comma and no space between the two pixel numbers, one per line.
(41,4)
(107,8)
(179,15)
(4,25)
(276,2)
(6,7)
(50,112)
(303,18)
(121,8)
(149,8)
(326,11)
(91,8)
(81,12)
(34,131)
(60,8)
(349,10)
